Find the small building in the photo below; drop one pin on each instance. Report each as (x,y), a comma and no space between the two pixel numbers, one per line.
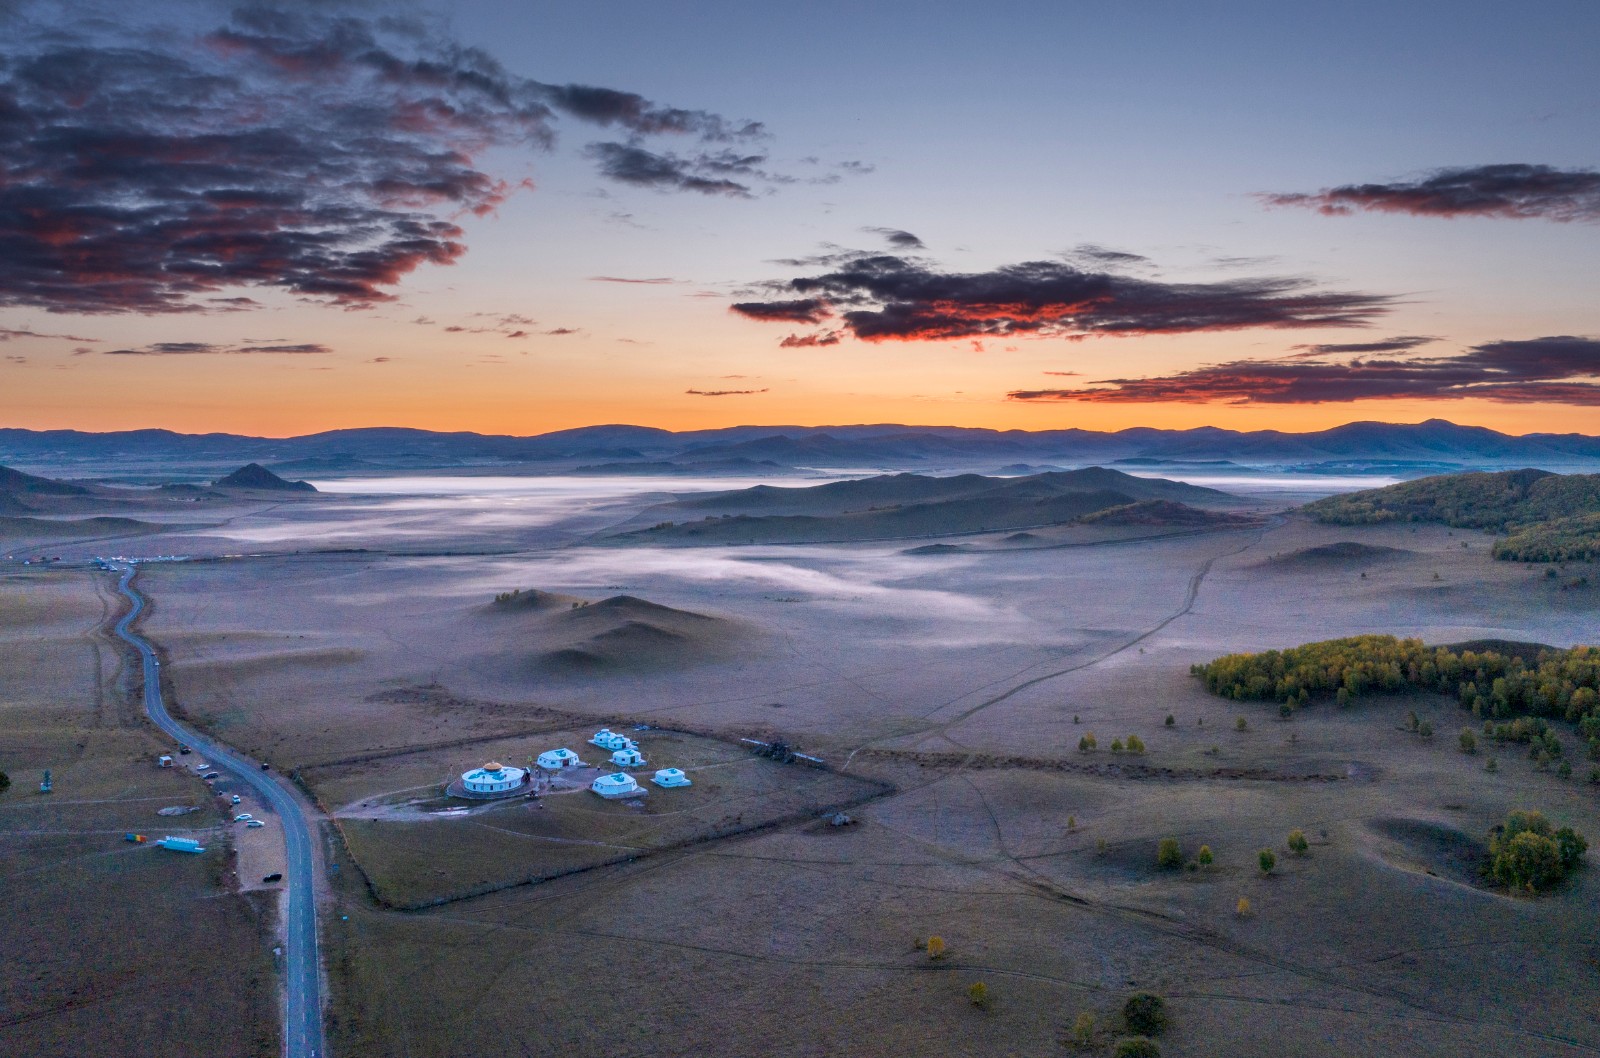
(493,778)
(670,777)
(628,758)
(173,844)
(556,759)
(617,785)
(164,761)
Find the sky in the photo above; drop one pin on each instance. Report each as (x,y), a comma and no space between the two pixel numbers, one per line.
(279,218)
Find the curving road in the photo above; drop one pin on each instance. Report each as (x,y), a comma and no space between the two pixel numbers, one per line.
(302,1015)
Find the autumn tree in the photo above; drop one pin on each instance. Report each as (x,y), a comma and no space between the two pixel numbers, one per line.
(1297,842)
(1169,854)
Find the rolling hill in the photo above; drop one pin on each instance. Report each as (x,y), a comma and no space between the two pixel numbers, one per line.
(1547,517)
(898,506)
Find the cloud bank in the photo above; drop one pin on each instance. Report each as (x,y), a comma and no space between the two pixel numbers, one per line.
(147,164)
(881,297)
(1559,369)
(1515,191)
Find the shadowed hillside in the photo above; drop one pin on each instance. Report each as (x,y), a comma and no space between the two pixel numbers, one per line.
(562,633)
(255,476)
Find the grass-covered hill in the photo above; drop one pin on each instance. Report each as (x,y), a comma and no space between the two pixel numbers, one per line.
(905,505)
(1546,517)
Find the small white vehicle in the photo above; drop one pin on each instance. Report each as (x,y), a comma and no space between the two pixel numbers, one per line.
(243,817)
(254,824)
(235,799)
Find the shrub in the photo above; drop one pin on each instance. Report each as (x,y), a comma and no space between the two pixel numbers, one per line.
(1083,1029)
(1491,766)
(1526,853)
(1242,908)
(1087,744)
(1169,855)
(1565,770)
(1072,822)
(1137,1047)
(1171,721)
(1241,724)
(1204,857)
(5,782)
(1267,860)
(935,947)
(1145,1013)
(1285,711)
(1135,744)
(1116,745)
(978,993)
(1425,729)
(1297,842)
(1469,741)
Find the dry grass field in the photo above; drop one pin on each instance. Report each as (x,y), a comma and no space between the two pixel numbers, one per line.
(961,680)
(119,948)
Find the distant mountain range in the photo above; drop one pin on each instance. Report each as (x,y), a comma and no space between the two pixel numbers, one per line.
(1427,447)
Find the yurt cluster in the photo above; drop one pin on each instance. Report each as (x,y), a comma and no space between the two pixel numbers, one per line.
(495,780)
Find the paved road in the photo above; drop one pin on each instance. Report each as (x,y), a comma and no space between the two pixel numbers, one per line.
(302,1017)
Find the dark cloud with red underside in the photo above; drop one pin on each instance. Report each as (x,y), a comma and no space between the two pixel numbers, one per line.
(1513,191)
(327,155)
(889,298)
(1560,369)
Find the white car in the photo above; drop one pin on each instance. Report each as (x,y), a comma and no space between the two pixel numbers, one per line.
(243,817)
(235,799)
(253,823)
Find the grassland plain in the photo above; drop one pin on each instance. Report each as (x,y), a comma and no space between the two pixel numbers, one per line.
(112,947)
(965,680)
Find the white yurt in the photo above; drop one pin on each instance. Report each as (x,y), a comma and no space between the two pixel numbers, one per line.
(556,759)
(492,778)
(670,777)
(617,785)
(628,758)
(605,738)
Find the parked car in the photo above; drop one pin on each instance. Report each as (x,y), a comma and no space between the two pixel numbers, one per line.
(235,799)
(211,775)
(243,817)
(275,876)
(184,749)
(255,824)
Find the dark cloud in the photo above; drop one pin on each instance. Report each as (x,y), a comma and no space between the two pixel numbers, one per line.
(1515,191)
(897,239)
(665,171)
(8,333)
(1560,369)
(1100,255)
(801,310)
(722,392)
(562,330)
(659,281)
(315,149)
(884,298)
(212,349)
(1388,345)
(805,341)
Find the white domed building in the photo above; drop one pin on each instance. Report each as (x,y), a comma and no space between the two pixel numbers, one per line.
(492,780)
